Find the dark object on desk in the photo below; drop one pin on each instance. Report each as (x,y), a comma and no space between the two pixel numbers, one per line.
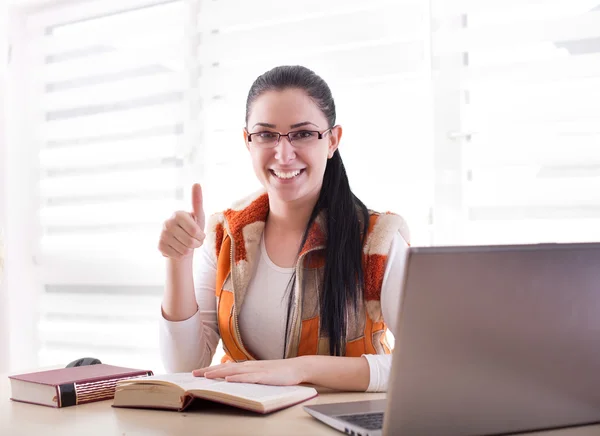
(84,361)
(70,386)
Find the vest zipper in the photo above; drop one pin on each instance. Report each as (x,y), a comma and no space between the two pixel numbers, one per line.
(295,330)
(238,336)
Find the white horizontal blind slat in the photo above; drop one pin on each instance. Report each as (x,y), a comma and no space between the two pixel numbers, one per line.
(166,83)
(585,26)
(116,122)
(109,153)
(113,183)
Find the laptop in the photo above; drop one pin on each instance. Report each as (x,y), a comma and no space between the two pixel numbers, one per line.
(491,340)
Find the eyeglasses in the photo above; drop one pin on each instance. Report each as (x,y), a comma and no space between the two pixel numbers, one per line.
(298,138)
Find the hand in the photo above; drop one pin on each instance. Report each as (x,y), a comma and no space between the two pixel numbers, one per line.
(184,231)
(285,372)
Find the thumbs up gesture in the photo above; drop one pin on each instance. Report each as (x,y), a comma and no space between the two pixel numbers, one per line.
(184,231)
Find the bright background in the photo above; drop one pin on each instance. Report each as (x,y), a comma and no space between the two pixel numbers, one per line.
(477,120)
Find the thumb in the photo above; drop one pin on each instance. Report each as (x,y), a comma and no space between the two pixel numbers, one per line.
(197,207)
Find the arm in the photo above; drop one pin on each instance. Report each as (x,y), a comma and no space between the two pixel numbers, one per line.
(191,343)
(179,302)
(181,234)
(341,373)
(380,365)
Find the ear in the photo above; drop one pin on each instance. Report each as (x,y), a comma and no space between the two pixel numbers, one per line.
(334,140)
(246,138)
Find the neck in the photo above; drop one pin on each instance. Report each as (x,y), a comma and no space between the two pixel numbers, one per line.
(290,216)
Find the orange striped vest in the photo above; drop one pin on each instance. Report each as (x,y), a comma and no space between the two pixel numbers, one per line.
(234,236)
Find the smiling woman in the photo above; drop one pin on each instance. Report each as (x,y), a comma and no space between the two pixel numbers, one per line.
(291,165)
(306,278)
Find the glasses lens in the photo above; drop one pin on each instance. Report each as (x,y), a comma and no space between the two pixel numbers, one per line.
(265,138)
(304,137)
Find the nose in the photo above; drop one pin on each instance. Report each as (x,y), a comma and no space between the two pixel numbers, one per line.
(284,151)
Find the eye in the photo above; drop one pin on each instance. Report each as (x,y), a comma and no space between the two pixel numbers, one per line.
(266,135)
(303,135)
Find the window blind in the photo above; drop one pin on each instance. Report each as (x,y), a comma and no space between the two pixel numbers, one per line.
(527,83)
(141,98)
(112,83)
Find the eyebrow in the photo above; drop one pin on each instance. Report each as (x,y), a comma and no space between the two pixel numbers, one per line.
(271,126)
(293,126)
(304,123)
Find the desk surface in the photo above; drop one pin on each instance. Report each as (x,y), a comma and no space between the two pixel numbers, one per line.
(100,418)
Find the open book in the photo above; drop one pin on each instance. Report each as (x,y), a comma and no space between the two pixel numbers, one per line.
(177,391)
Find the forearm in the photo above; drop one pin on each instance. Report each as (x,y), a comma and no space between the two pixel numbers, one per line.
(186,345)
(179,302)
(341,373)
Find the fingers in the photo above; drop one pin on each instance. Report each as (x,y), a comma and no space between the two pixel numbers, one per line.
(186,222)
(197,206)
(184,237)
(168,251)
(228,369)
(173,246)
(184,231)
(180,236)
(224,372)
(253,377)
(201,371)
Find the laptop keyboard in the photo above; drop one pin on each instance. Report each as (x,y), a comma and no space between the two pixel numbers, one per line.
(369,421)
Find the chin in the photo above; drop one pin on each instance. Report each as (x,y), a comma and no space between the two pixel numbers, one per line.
(285,194)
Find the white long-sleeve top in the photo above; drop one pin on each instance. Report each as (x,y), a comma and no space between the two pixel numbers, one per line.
(190,344)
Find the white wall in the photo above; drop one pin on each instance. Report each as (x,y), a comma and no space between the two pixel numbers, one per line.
(18,298)
(4,335)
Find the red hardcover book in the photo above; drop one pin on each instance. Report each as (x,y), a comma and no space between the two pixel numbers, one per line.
(70,386)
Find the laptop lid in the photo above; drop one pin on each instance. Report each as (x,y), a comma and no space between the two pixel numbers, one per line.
(497,340)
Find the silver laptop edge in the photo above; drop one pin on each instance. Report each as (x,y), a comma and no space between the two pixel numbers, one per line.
(324,412)
(492,340)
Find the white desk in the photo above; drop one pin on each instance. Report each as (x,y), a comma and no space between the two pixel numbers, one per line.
(101,419)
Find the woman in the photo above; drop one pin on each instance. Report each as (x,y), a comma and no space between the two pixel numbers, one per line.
(298,280)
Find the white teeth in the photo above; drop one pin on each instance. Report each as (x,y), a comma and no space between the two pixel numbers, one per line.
(283,175)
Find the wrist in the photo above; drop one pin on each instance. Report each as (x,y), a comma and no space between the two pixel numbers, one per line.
(305,367)
(183,263)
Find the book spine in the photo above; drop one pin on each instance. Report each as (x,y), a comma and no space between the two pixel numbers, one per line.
(71,394)
(67,395)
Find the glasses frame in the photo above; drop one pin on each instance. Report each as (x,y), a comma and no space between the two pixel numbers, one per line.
(279,135)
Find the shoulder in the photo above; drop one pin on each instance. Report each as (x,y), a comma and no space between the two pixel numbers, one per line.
(383,228)
(385,231)
(215,231)
(239,209)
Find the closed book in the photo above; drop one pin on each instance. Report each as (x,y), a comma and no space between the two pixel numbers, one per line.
(71,386)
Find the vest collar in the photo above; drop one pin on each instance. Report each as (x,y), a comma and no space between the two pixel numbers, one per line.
(245,223)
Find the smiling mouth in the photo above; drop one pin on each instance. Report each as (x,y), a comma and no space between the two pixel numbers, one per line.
(286,175)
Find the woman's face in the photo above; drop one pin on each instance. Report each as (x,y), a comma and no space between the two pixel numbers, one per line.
(290,172)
